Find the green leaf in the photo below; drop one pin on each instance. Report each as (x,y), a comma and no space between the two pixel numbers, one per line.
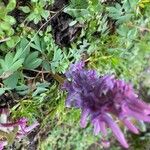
(46,65)
(2,91)
(12,80)
(23,89)
(3,12)
(72,23)
(13,41)
(45,14)
(36,45)
(9,19)
(22,50)
(5,26)
(3,65)
(11,5)
(18,54)
(23,43)
(9,65)
(34,1)
(9,60)
(41,87)
(37,19)
(32,61)
(35,64)
(31,57)
(31,17)
(57,55)
(25,9)
(39,90)
(10,32)
(16,65)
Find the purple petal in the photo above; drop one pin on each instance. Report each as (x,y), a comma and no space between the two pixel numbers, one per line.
(103,128)
(130,126)
(74,67)
(96,126)
(83,121)
(139,106)
(137,115)
(23,125)
(116,130)
(21,133)
(73,100)
(31,127)
(21,122)
(106,83)
(14,124)
(2,144)
(105,143)
(142,105)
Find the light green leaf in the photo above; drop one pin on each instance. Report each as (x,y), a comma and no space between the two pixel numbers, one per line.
(31,17)
(9,19)
(72,23)
(22,49)
(46,65)
(5,26)
(37,19)
(11,5)
(32,61)
(16,65)
(2,91)
(9,60)
(25,9)
(45,14)
(12,80)
(3,65)
(13,41)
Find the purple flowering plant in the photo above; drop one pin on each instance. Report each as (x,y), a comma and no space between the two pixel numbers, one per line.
(20,128)
(104,101)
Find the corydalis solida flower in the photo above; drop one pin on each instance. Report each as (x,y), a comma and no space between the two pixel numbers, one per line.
(104,100)
(17,129)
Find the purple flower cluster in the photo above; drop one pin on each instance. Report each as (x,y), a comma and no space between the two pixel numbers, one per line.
(8,127)
(104,101)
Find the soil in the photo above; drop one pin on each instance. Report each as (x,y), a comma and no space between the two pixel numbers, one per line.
(8,99)
(64,34)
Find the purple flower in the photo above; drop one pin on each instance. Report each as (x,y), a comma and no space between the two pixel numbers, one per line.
(2,144)
(103,101)
(21,125)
